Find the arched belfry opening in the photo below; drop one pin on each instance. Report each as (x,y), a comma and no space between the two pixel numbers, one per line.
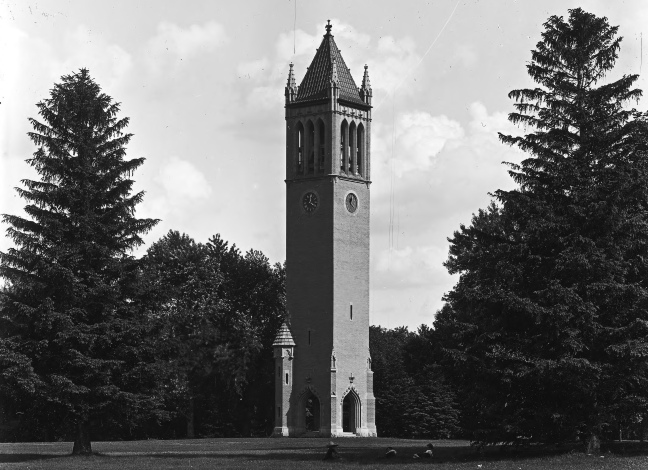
(360,150)
(351,412)
(344,144)
(321,141)
(300,148)
(328,186)
(310,132)
(351,152)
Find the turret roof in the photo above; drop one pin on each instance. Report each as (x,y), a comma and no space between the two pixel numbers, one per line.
(318,77)
(284,338)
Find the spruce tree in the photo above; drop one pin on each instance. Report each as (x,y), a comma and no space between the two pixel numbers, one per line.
(71,347)
(547,328)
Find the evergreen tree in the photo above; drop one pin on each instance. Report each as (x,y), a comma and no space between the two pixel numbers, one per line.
(547,328)
(72,350)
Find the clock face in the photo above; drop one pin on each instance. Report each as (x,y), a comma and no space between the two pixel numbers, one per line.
(309,202)
(351,201)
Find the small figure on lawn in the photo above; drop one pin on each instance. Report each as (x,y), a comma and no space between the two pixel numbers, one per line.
(391,453)
(428,454)
(332,453)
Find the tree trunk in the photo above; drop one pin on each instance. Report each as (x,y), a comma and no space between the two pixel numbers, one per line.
(641,429)
(82,444)
(593,444)
(190,419)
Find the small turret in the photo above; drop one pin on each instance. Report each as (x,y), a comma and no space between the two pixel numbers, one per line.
(291,86)
(365,89)
(283,346)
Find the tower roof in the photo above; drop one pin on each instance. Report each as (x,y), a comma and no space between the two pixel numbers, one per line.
(284,338)
(320,74)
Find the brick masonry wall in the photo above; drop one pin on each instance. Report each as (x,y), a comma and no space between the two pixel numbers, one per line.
(327,270)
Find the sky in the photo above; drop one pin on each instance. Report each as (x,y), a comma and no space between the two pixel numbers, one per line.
(203,85)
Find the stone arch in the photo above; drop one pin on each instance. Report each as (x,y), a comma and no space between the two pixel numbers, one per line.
(299,145)
(309,411)
(351,411)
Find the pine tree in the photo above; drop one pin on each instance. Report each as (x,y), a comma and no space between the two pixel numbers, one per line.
(547,328)
(71,346)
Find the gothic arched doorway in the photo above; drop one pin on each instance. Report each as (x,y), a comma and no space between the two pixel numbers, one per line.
(351,412)
(311,413)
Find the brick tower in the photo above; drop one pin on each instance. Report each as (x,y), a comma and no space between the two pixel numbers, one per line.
(324,378)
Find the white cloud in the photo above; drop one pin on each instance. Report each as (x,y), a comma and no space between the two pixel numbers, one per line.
(182,180)
(419,137)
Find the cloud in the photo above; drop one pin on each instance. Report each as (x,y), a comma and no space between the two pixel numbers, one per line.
(182,180)
(419,137)
(173,43)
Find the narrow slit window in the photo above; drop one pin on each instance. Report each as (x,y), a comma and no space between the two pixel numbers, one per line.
(309,337)
(350,311)
(278,412)
(286,378)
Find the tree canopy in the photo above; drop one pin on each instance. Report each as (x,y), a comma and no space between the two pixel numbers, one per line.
(547,327)
(71,353)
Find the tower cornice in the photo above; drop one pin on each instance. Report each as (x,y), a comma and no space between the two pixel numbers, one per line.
(330,177)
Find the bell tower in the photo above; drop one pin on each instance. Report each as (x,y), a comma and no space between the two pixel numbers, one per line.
(328,389)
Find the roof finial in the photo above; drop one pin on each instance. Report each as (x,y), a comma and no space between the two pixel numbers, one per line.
(328,27)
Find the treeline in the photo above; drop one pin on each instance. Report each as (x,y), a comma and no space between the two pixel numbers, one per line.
(413,396)
(198,337)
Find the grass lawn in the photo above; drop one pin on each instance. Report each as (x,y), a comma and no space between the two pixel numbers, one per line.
(291,453)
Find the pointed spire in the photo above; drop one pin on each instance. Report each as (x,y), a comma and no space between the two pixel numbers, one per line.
(366,84)
(365,89)
(291,77)
(328,71)
(291,86)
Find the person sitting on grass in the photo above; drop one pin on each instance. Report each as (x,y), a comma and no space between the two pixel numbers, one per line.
(428,454)
(332,453)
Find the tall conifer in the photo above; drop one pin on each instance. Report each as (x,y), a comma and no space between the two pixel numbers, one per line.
(70,342)
(548,324)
